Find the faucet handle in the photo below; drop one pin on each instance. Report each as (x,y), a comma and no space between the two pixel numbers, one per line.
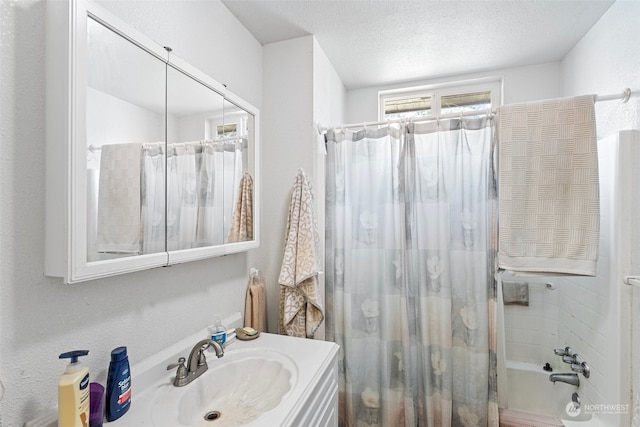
(581,368)
(572,360)
(567,351)
(182,369)
(176,365)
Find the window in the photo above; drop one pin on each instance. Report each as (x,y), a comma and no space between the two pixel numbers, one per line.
(227,131)
(434,100)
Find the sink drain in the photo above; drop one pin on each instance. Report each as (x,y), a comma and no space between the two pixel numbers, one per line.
(212,416)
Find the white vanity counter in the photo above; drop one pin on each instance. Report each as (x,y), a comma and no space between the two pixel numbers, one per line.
(311,400)
(309,397)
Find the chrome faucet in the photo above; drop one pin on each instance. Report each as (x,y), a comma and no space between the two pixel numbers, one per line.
(567,351)
(569,378)
(196,364)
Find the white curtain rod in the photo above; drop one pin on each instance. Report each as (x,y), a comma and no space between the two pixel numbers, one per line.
(146,145)
(624,97)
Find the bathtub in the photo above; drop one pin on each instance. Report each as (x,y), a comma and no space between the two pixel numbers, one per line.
(533,399)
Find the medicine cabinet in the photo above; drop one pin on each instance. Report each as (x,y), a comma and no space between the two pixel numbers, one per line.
(150,162)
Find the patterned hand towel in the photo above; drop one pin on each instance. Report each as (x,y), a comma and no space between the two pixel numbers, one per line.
(549,219)
(119,224)
(242,219)
(301,311)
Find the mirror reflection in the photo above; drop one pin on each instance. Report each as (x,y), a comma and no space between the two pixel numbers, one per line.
(195,164)
(207,159)
(236,133)
(125,131)
(168,158)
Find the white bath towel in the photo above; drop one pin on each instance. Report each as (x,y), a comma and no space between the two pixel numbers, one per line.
(548,187)
(301,309)
(242,219)
(119,225)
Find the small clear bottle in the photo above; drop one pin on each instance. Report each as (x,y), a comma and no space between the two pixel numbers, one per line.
(218,332)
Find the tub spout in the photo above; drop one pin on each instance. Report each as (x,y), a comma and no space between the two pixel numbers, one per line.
(569,378)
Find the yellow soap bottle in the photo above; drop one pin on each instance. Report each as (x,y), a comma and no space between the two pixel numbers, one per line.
(73,392)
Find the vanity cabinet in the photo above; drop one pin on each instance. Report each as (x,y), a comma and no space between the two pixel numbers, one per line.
(150,162)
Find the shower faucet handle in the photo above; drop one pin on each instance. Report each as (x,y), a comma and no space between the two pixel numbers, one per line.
(567,351)
(581,368)
(571,360)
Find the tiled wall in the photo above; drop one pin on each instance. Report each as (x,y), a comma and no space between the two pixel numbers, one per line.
(595,315)
(635,305)
(589,314)
(531,332)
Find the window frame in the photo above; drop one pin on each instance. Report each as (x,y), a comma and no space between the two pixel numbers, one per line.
(437,91)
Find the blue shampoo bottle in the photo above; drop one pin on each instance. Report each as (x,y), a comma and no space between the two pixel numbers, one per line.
(118,398)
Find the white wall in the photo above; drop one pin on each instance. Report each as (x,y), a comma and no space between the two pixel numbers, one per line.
(287,145)
(607,60)
(40,317)
(135,123)
(531,332)
(520,84)
(301,89)
(329,97)
(329,94)
(593,312)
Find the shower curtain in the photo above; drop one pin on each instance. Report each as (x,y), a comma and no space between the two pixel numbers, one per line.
(202,182)
(202,187)
(410,262)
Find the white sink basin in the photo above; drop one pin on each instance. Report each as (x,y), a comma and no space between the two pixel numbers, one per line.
(236,390)
(274,380)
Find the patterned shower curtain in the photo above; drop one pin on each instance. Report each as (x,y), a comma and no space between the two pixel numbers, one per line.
(410,283)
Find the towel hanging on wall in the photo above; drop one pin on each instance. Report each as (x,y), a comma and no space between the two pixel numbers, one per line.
(255,310)
(548,187)
(241,229)
(301,309)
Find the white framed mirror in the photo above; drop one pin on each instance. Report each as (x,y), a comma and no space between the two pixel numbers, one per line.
(146,155)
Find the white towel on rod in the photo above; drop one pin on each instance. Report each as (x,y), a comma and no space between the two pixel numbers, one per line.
(119,228)
(548,187)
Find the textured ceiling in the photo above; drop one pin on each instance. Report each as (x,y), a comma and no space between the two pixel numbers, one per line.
(385,41)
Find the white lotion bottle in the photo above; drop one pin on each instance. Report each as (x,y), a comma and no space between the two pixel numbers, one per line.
(73,392)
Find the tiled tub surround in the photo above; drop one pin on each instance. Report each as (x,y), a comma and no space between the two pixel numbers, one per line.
(534,399)
(589,314)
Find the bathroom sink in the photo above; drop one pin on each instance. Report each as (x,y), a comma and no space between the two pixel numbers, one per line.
(274,380)
(236,390)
